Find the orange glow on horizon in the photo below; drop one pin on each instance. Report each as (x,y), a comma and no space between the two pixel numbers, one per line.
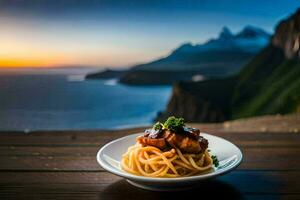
(50,59)
(31,44)
(13,63)
(21,62)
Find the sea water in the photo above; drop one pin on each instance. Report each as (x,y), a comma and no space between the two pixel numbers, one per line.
(63,102)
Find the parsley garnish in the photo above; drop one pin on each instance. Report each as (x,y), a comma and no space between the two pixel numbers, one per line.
(174,123)
(215,160)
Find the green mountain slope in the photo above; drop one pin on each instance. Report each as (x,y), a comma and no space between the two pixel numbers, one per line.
(267,86)
(270,83)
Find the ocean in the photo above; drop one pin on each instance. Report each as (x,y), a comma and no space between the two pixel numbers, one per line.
(66,102)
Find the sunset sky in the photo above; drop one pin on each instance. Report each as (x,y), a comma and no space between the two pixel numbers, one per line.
(118,33)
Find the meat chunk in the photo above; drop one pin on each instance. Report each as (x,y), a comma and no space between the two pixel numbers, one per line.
(191,132)
(203,143)
(159,142)
(184,143)
(187,140)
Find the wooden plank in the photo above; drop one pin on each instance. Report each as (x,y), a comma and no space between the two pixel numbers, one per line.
(89,138)
(48,151)
(245,182)
(63,165)
(86,151)
(84,158)
(271,158)
(67,135)
(52,163)
(86,135)
(83,193)
(99,139)
(146,196)
(96,196)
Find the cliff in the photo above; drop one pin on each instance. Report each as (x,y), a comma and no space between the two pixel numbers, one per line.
(287,36)
(206,101)
(268,84)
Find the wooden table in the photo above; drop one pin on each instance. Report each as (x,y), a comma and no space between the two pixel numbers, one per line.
(62,165)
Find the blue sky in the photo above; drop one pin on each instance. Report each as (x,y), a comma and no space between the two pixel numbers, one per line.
(119,32)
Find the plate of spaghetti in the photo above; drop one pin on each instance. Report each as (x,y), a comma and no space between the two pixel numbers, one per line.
(169,156)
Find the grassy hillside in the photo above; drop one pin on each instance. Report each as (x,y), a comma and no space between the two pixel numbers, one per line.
(269,84)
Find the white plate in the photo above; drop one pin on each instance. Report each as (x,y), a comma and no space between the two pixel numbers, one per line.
(109,157)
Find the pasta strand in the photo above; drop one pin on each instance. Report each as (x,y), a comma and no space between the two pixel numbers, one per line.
(152,162)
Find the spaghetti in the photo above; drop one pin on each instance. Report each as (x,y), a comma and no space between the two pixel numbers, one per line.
(150,161)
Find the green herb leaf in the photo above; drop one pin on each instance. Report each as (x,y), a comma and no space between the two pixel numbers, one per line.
(174,123)
(157,126)
(215,160)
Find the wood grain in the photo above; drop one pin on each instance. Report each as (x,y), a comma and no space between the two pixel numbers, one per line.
(83,158)
(62,165)
(106,185)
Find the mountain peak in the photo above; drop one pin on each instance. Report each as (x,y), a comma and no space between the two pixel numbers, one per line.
(250,39)
(252,32)
(183,47)
(225,33)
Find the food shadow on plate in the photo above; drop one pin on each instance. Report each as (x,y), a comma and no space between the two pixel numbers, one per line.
(211,189)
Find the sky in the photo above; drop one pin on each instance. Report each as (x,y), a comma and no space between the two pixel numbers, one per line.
(120,33)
